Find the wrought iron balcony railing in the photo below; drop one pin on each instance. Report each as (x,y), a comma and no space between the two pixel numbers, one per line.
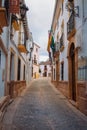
(62,42)
(22,44)
(70,26)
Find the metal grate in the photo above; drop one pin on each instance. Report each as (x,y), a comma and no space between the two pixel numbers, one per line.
(82,73)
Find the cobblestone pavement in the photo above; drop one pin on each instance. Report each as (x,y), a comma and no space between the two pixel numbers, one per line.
(42,107)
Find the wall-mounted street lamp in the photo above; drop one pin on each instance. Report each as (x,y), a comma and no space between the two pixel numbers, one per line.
(23,10)
(70,7)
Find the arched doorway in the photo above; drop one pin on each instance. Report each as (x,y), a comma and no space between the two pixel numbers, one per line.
(72,72)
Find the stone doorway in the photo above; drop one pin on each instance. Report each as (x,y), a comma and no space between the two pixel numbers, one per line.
(72,79)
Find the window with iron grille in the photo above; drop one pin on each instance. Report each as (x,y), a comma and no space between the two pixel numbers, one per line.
(82,73)
(19,69)
(36,49)
(70,24)
(62,71)
(54,74)
(6,5)
(35,61)
(62,40)
(24,73)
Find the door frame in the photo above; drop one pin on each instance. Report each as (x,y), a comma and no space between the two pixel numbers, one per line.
(70,70)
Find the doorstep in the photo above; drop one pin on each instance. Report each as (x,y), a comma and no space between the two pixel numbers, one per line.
(73,103)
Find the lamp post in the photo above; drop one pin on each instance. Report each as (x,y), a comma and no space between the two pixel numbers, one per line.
(23,10)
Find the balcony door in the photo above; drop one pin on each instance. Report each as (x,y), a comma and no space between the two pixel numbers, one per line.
(72,73)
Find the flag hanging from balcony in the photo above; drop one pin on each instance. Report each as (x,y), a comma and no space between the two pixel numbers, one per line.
(48,45)
(49,42)
(14,6)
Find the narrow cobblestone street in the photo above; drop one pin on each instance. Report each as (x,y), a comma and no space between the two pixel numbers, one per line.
(42,107)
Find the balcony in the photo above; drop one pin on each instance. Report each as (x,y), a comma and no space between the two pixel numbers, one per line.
(71,27)
(3,17)
(62,43)
(57,49)
(22,42)
(22,48)
(15,23)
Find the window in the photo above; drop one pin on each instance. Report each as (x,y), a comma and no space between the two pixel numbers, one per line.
(0,58)
(54,74)
(12,66)
(62,71)
(32,71)
(0,3)
(24,73)
(19,69)
(36,49)
(6,5)
(45,68)
(35,61)
(62,8)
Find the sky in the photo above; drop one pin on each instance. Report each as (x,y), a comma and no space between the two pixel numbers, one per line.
(40,16)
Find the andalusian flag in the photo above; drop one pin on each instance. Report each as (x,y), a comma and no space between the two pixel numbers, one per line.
(52,45)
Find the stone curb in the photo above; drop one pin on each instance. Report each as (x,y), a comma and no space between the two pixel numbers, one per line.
(4,101)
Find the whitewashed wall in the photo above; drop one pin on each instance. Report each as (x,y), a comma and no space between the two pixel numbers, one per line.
(2,74)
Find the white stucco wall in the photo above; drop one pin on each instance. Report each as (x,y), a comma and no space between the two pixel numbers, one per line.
(2,74)
(35,69)
(81,26)
(5,36)
(63,18)
(36,53)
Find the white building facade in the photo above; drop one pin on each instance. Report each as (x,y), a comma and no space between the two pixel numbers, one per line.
(35,57)
(15,63)
(3,49)
(69,61)
(45,69)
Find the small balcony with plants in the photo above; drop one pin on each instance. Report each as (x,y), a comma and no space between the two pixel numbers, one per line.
(22,43)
